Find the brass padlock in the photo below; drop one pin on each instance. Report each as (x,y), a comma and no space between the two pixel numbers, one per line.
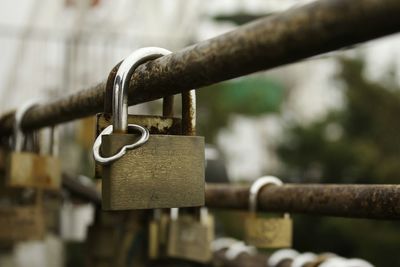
(266,232)
(190,239)
(29,168)
(165,124)
(22,222)
(150,171)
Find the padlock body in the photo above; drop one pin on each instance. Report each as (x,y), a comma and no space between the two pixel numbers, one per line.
(21,223)
(268,232)
(26,169)
(190,240)
(166,172)
(155,125)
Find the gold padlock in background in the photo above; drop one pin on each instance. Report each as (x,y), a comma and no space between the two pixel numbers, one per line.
(190,238)
(266,232)
(23,222)
(165,124)
(269,232)
(31,169)
(155,174)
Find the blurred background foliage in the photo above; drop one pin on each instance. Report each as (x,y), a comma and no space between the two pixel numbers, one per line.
(356,143)
(251,96)
(360,143)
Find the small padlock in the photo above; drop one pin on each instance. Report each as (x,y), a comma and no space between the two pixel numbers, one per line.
(30,169)
(266,232)
(165,124)
(22,222)
(190,239)
(163,171)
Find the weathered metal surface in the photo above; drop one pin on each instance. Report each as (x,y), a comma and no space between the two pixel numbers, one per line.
(168,101)
(189,113)
(189,239)
(155,124)
(346,200)
(166,172)
(268,232)
(286,37)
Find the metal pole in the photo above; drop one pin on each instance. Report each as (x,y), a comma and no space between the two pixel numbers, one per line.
(346,200)
(280,39)
(80,190)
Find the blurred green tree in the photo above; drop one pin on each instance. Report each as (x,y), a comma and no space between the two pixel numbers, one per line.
(250,96)
(360,143)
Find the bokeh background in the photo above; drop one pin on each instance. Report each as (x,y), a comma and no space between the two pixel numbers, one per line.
(330,119)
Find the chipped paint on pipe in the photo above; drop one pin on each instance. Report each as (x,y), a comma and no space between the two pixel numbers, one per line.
(345,200)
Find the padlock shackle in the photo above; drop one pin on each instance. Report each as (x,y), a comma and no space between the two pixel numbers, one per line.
(256,187)
(122,80)
(53,141)
(168,101)
(174,214)
(237,248)
(189,112)
(19,115)
(120,92)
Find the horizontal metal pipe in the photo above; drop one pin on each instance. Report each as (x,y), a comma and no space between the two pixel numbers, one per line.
(347,200)
(279,39)
(80,190)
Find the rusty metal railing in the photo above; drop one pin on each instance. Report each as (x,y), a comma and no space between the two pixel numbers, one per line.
(280,39)
(340,200)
